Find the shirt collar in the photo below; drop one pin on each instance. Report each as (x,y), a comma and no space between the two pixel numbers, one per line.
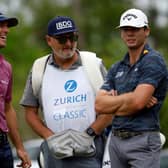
(75,65)
(144,52)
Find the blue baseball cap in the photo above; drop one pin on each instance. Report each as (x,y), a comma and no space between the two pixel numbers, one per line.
(61,25)
(10,20)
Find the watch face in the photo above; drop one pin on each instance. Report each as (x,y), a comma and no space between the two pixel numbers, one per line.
(90,132)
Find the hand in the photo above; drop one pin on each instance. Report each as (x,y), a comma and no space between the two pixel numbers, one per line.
(83,144)
(102,93)
(113,92)
(108,93)
(25,160)
(60,144)
(152,102)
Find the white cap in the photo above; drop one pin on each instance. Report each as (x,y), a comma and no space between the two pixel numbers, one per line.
(162,139)
(133,18)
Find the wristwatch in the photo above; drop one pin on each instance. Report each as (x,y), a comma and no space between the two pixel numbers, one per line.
(90,131)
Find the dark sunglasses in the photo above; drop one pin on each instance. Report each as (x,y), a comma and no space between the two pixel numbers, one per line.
(63,39)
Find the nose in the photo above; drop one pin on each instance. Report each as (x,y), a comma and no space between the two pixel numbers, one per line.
(68,41)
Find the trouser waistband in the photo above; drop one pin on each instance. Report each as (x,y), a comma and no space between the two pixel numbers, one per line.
(3,138)
(125,134)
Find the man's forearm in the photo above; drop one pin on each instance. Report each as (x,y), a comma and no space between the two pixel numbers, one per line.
(36,123)
(13,126)
(102,121)
(124,104)
(107,104)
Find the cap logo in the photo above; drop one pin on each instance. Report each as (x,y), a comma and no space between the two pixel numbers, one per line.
(64,25)
(130,16)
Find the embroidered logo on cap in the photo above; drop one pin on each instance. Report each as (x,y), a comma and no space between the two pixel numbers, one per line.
(130,16)
(64,25)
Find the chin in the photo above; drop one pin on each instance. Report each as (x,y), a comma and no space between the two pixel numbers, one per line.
(132,46)
(66,57)
(2,46)
(69,57)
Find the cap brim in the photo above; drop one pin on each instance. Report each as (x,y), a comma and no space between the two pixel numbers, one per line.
(118,27)
(11,21)
(132,25)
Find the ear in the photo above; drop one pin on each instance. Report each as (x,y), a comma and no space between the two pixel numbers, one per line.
(147,32)
(48,39)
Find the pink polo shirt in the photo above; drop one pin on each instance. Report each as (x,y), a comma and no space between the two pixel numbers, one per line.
(5,90)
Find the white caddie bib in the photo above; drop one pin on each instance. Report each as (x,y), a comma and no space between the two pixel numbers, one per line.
(68,99)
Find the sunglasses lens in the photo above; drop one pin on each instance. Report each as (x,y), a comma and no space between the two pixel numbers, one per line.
(75,37)
(63,39)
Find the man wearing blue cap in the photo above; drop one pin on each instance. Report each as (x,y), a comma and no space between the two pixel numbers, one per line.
(131,83)
(8,121)
(64,85)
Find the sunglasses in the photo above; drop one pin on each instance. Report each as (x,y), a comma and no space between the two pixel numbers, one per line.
(63,39)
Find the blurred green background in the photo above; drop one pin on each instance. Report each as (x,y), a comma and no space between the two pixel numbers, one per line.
(96,21)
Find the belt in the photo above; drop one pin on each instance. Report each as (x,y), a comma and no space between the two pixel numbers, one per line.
(123,134)
(3,138)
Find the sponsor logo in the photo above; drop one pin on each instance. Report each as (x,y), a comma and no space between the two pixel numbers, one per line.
(70,99)
(106,163)
(73,114)
(64,25)
(3,82)
(136,69)
(119,74)
(129,17)
(70,86)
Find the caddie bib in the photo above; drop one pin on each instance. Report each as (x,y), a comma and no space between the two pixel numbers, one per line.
(68,99)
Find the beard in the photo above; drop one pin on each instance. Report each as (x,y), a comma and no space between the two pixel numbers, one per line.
(63,55)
